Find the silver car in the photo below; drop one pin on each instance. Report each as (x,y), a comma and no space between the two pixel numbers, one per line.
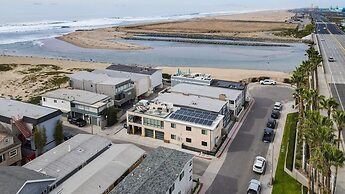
(259,165)
(254,187)
(267,82)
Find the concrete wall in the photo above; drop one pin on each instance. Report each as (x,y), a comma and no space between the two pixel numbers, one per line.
(63,105)
(156,79)
(184,186)
(142,86)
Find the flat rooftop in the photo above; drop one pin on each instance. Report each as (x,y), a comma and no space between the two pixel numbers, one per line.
(193,101)
(206,91)
(13,108)
(119,74)
(228,84)
(133,69)
(82,96)
(103,171)
(155,174)
(67,157)
(97,78)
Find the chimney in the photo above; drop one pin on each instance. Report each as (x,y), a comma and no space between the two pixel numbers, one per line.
(222,97)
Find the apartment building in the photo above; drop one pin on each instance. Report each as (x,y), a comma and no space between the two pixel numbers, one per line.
(79,104)
(20,119)
(87,164)
(155,75)
(191,128)
(235,97)
(120,90)
(164,171)
(10,150)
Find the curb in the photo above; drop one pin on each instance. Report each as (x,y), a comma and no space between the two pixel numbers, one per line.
(239,124)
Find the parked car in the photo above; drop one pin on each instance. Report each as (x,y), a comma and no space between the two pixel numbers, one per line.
(275,114)
(268,136)
(331,59)
(267,82)
(278,106)
(254,187)
(259,165)
(76,121)
(67,136)
(271,123)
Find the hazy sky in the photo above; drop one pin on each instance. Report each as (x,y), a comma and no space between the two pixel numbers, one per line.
(28,10)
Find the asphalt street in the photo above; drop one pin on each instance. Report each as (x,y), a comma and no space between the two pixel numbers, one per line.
(236,171)
(332,43)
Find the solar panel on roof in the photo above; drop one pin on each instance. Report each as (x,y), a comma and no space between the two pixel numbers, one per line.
(209,123)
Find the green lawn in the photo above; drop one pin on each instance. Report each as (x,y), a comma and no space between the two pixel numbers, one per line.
(283,182)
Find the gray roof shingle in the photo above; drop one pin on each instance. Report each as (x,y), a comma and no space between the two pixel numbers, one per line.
(155,174)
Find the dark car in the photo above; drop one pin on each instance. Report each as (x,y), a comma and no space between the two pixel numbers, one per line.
(275,114)
(77,121)
(67,136)
(268,136)
(271,123)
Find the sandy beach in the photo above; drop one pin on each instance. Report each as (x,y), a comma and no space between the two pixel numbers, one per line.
(255,25)
(33,76)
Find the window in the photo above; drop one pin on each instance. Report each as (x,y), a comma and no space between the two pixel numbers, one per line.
(44,99)
(203,131)
(55,101)
(179,192)
(12,153)
(2,158)
(172,188)
(189,140)
(188,128)
(181,175)
(190,163)
(203,143)
(231,102)
(173,136)
(173,125)
(91,85)
(190,178)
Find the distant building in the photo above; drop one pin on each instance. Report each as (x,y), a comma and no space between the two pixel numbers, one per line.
(164,171)
(79,104)
(10,150)
(120,90)
(191,128)
(19,180)
(155,75)
(87,164)
(141,82)
(235,97)
(191,78)
(20,118)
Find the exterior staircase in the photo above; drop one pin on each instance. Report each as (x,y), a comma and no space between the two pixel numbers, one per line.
(18,122)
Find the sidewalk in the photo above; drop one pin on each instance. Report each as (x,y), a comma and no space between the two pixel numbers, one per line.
(325,90)
(275,146)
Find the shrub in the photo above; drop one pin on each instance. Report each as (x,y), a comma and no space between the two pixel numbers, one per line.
(111,116)
(7,67)
(58,134)
(59,80)
(263,77)
(166,76)
(34,100)
(40,139)
(254,79)
(287,80)
(292,124)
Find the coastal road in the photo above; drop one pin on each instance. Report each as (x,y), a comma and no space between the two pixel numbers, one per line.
(332,43)
(236,171)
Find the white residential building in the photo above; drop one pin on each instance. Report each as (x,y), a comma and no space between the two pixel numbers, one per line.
(79,104)
(164,171)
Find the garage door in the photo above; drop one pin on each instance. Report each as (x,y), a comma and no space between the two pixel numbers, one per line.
(159,135)
(149,133)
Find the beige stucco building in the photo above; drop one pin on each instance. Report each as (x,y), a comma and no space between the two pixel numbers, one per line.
(192,128)
(10,151)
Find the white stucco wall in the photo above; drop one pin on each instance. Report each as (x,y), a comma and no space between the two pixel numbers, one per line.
(63,105)
(156,78)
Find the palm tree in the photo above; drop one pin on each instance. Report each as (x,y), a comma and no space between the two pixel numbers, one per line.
(328,104)
(339,119)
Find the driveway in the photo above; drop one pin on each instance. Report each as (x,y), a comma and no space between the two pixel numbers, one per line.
(236,171)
